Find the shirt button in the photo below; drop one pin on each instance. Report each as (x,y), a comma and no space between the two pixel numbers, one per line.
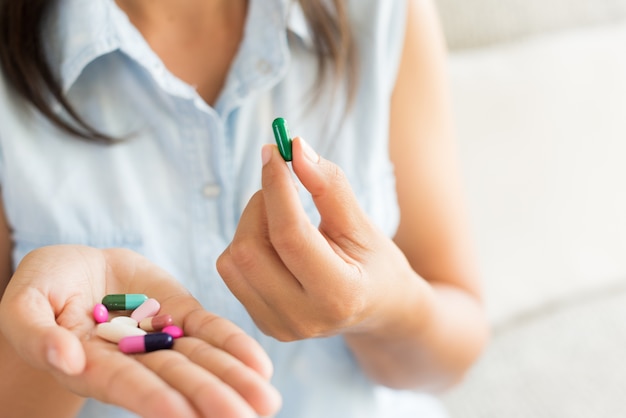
(211,190)
(263,66)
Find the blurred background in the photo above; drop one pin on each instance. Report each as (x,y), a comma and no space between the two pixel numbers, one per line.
(539,92)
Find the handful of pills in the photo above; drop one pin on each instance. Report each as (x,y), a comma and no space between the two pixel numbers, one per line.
(143,331)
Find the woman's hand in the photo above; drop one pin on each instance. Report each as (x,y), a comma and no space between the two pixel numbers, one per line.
(301,281)
(46,313)
(410,309)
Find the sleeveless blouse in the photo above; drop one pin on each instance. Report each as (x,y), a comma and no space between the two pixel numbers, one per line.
(174,186)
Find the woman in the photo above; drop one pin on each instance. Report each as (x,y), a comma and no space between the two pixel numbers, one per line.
(138,124)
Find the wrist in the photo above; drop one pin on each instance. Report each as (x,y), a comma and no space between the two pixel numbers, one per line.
(404,307)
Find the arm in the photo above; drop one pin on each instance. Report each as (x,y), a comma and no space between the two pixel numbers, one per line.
(409,309)
(440,327)
(29,392)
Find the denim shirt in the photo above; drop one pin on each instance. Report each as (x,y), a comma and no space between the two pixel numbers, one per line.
(174,186)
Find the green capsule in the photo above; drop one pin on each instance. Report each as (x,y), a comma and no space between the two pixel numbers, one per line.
(283,139)
(123,302)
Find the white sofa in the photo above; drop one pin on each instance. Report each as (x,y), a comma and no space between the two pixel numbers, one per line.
(539,89)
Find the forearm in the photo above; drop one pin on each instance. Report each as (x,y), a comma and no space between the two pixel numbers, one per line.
(426,341)
(27,392)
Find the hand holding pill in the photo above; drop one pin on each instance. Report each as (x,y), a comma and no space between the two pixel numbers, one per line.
(50,311)
(298,280)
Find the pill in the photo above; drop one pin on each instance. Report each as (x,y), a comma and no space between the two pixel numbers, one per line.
(146,343)
(100,313)
(114,332)
(149,308)
(156,323)
(123,301)
(125,320)
(283,139)
(173,330)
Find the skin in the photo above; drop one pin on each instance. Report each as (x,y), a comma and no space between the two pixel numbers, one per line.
(47,342)
(182,32)
(216,370)
(408,308)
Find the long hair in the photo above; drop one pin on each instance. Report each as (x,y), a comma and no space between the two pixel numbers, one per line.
(23,59)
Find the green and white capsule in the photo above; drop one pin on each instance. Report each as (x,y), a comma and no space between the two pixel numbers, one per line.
(283,138)
(123,302)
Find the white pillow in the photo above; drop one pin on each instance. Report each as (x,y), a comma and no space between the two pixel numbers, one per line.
(542,131)
(472,23)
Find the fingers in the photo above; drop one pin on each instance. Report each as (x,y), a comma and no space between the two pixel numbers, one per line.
(63,350)
(225,335)
(280,196)
(28,322)
(250,248)
(209,396)
(115,378)
(298,243)
(231,389)
(290,231)
(194,379)
(339,209)
(265,304)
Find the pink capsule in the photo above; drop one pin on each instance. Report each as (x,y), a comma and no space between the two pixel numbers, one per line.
(173,330)
(146,343)
(149,308)
(156,323)
(100,313)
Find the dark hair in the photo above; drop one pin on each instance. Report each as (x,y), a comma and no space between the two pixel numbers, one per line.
(23,59)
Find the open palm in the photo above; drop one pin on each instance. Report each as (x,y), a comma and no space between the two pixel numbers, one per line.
(215,370)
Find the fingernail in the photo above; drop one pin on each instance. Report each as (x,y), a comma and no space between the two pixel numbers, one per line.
(266,154)
(309,153)
(55,360)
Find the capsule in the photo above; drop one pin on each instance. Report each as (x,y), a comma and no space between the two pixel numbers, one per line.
(146,343)
(100,313)
(123,302)
(174,331)
(283,138)
(156,323)
(150,307)
(126,320)
(115,332)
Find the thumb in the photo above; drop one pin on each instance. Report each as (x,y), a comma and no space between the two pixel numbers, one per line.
(28,323)
(331,192)
(63,351)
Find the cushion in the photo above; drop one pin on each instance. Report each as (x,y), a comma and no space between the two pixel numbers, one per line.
(542,134)
(474,23)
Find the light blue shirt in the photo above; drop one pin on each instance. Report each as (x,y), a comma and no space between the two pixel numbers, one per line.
(174,190)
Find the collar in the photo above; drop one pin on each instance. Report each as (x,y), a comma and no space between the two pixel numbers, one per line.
(298,25)
(77,32)
(80,31)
